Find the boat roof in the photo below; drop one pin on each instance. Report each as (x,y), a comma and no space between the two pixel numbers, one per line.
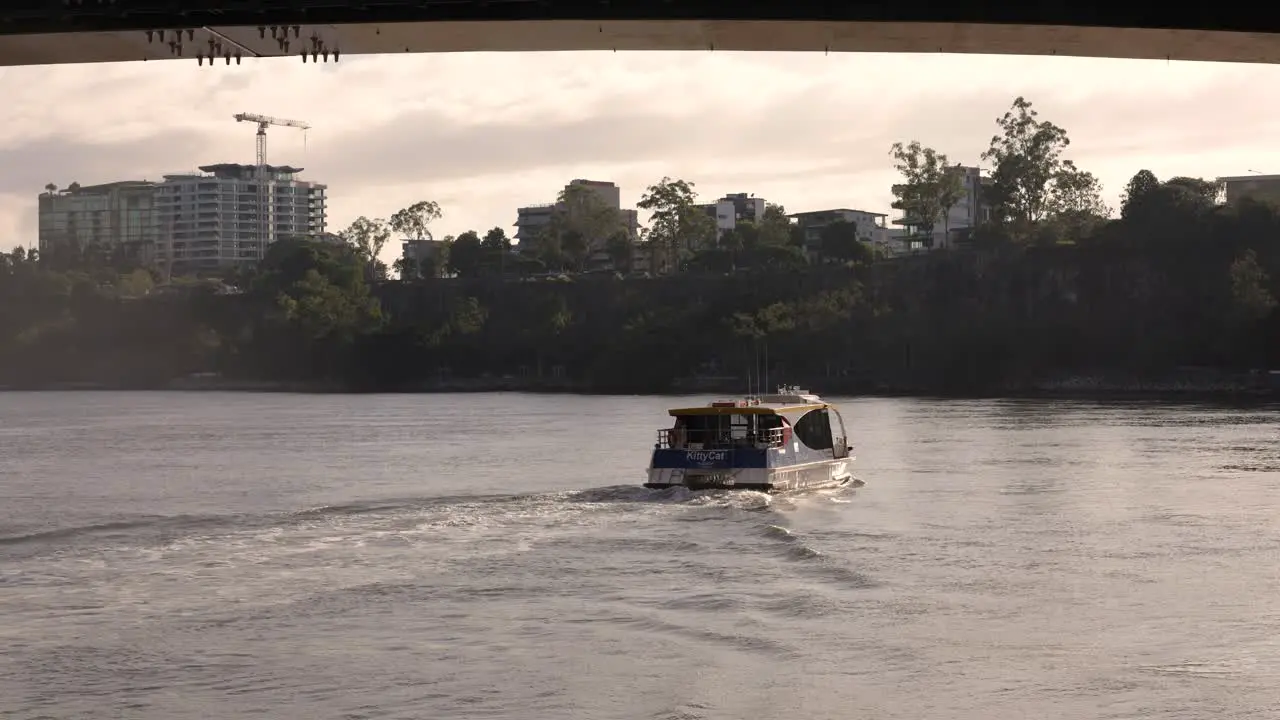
(761,405)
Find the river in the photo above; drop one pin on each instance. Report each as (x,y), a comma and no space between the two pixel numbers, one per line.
(219,555)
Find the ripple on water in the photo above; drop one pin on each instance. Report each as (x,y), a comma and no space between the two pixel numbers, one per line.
(351,557)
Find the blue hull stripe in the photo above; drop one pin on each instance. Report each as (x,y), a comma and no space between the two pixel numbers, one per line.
(665,458)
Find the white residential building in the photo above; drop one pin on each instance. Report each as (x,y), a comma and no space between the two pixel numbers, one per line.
(213,218)
(428,255)
(734,208)
(971,211)
(967,214)
(870,225)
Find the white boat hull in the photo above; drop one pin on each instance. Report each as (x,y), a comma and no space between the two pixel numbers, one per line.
(809,476)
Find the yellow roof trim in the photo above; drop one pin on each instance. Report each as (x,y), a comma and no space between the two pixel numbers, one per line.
(749,410)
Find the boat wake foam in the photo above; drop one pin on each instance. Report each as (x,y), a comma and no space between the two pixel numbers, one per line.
(387,515)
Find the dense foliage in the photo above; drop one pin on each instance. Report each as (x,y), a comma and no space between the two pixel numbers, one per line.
(1049,287)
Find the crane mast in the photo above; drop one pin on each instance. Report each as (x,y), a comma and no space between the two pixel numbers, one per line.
(266,208)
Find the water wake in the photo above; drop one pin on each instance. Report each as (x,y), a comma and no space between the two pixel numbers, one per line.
(397,514)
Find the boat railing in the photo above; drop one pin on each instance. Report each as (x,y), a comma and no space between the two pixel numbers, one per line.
(770,437)
(685,439)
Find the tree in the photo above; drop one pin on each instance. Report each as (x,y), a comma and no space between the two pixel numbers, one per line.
(496,239)
(677,227)
(1207,191)
(546,246)
(1026,157)
(840,243)
(288,261)
(931,188)
(322,310)
(436,263)
(318,296)
(1075,203)
(1139,189)
(1161,205)
(466,255)
(786,258)
(581,224)
(496,246)
(1076,190)
(1249,282)
(622,251)
(368,237)
(406,268)
(774,227)
(135,284)
(742,237)
(584,222)
(413,222)
(584,210)
(950,192)
(574,244)
(732,247)
(468,315)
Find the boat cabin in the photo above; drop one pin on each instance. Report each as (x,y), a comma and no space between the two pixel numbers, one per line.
(781,422)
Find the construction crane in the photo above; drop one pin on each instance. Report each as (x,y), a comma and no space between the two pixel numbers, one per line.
(265,206)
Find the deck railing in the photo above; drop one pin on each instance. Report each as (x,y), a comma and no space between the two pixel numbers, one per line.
(685,439)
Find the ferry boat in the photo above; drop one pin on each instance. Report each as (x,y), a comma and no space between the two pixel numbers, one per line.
(790,440)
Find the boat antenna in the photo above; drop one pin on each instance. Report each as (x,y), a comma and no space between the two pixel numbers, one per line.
(759,387)
(766,363)
(753,372)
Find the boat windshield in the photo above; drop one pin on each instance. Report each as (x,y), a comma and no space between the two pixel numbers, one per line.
(724,431)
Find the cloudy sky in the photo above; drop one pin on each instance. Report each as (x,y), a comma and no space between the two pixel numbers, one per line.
(484,133)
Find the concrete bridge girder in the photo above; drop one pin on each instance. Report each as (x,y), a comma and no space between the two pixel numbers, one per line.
(630,35)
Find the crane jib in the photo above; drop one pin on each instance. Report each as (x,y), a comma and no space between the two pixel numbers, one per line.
(265,205)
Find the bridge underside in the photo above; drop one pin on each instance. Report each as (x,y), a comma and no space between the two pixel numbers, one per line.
(319,42)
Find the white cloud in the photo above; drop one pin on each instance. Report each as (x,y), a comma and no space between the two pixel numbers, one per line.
(485,133)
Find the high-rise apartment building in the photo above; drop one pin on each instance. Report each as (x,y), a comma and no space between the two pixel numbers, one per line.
(609,194)
(119,215)
(216,217)
(195,220)
(530,220)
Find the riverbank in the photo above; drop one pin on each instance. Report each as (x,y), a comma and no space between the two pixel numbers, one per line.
(1241,387)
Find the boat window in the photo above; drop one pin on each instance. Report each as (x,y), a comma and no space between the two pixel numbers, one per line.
(814,429)
(704,431)
(716,431)
(740,429)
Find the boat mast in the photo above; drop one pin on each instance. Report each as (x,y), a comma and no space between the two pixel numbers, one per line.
(766,364)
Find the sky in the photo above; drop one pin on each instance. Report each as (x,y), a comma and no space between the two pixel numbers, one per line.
(483,133)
